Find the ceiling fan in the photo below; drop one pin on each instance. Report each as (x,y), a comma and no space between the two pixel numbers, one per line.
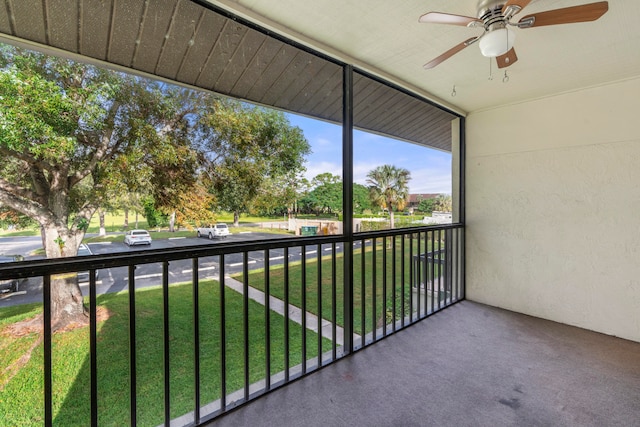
(494,16)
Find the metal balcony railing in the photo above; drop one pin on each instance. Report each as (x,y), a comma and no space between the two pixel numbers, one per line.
(260,314)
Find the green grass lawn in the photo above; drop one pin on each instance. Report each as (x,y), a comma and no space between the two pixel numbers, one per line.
(21,397)
(363,294)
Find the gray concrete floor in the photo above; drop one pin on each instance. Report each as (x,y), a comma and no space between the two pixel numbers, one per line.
(469,365)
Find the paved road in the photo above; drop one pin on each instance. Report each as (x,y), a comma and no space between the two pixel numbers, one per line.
(19,245)
(116,279)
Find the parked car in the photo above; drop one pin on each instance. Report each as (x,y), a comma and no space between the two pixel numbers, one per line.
(83,250)
(212,231)
(137,237)
(11,285)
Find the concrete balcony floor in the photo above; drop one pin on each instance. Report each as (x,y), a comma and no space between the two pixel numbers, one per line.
(469,365)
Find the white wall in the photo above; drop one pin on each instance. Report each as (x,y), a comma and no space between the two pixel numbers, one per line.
(553,208)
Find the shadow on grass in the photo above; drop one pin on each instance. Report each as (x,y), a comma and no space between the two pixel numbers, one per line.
(72,395)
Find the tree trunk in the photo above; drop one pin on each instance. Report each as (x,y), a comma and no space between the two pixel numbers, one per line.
(172,222)
(66,297)
(236,219)
(126,219)
(66,301)
(103,230)
(391,219)
(136,219)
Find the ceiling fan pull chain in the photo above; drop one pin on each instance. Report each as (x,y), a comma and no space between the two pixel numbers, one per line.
(505,79)
(490,70)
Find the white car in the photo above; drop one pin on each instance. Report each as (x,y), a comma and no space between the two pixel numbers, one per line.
(137,237)
(212,231)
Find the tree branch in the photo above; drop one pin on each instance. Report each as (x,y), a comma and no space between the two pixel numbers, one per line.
(25,158)
(28,207)
(17,191)
(102,148)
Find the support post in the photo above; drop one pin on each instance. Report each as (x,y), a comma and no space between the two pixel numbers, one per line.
(347,203)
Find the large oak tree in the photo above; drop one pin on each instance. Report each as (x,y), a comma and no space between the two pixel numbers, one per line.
(72,135)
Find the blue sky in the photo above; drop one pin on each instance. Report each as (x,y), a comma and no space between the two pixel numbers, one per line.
(430,169)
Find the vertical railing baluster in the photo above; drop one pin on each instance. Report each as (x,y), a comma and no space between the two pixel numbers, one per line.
(453,243)
(443,268)
(463,256)
(458,268)
(48,396)
(411,277)
(303,306)
(402,279)
(425,273)
(167,373)
(286,315)
(223,338)
(93,347)
(418,277)
(454,264)
(374,265)
(363,308)
(334,299)
(444,264)
(439,270)
(319,284)
(267,320)
(196,338)
(393,283)
(245,320)
(384,286)
(132,347)
(448,264)
(432,276)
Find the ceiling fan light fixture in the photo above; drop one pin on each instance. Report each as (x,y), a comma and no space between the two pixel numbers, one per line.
(497,42)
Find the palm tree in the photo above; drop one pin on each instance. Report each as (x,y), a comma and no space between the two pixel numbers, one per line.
(389,188)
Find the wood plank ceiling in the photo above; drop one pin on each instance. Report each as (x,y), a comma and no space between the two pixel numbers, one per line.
(184,42)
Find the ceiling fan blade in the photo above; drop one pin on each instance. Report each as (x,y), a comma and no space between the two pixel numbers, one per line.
(507,59)
(567,15)
(520,4)
(447,18)
(448,54)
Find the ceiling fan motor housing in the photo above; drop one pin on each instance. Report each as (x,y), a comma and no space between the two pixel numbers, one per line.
(497,39)
(490,13)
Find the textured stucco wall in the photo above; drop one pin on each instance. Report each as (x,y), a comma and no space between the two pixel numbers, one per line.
(553,208)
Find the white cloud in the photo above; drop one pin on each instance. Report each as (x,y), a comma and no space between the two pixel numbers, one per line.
(434,179)
(324,142)
(361,169)
(322,167)
(430,180)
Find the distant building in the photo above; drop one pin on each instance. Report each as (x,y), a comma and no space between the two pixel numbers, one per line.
(414,199)
(438,218)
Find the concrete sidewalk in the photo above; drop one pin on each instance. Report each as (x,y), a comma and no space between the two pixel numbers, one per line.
(295,313)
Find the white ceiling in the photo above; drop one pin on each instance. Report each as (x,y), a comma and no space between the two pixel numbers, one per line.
(385,38)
